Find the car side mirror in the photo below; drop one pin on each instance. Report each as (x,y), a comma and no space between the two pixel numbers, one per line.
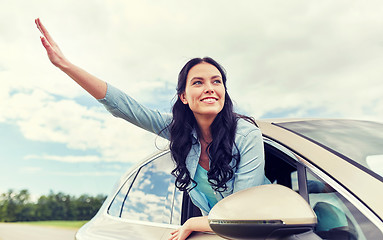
(266,211)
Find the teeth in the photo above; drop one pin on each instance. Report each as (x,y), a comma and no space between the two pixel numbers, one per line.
(209,100)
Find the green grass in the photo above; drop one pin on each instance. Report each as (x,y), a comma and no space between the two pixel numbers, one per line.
(59,224)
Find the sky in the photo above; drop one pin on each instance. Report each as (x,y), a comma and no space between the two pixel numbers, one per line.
(283,59)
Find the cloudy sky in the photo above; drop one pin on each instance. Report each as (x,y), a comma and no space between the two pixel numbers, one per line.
(283,58)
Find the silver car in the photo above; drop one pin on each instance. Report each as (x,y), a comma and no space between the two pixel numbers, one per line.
(327,180)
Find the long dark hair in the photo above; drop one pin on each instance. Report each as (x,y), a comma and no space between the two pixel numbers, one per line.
(223,128)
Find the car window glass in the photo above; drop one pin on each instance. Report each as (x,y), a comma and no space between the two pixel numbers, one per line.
(342,136)
(294,181)
(150,196)
(177,207)
(338,219)
(116,205)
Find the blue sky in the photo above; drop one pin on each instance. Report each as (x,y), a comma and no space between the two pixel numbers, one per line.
(283,59)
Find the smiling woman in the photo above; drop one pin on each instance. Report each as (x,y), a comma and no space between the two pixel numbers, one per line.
(213,147)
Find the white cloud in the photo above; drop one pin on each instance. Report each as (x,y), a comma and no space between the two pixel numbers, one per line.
(30,170)
(67,159)
(41,117)
(84,174)
(302,55)
(327,57)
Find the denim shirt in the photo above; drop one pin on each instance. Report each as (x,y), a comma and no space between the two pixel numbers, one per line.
(248,139)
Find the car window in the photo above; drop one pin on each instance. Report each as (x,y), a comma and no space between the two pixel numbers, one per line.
(280,164)
(116,205)
(341,137)
(177,207)
(148,196)
(338,219)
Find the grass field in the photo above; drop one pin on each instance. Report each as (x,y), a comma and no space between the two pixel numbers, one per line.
(59,224)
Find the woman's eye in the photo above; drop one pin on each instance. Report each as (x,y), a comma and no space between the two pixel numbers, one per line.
(197,82)
(217,81)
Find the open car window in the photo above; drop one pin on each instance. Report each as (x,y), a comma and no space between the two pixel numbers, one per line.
(280,165)
(338,218)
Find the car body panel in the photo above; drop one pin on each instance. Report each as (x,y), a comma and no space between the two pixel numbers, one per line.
(357,181)
(106,227)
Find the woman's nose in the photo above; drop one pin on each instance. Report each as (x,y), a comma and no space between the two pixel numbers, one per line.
(209,89)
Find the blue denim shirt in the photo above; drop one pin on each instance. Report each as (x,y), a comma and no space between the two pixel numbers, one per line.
(248,139)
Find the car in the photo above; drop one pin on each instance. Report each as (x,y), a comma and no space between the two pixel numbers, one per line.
(327,182)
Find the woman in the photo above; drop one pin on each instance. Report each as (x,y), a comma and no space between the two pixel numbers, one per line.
(217,152)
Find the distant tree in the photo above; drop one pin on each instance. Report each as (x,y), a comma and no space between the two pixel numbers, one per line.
(45,208)
(27,212)
(87,206)
(9,206)
(18,207)
(4,206)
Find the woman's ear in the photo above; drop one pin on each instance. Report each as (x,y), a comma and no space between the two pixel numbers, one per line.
(183,98)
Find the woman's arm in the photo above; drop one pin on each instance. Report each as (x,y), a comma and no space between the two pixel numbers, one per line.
(195,224)
(250,171)
(117,102)
(96,87)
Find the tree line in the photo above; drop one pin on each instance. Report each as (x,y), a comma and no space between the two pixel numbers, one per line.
(17,206)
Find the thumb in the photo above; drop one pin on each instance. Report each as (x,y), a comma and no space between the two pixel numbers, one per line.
(45,43)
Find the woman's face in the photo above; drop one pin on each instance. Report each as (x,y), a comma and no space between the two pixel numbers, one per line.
(204,91)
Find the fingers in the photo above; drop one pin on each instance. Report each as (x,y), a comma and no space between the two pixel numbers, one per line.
(54,53)
(39,25)
(44,31)
(50,51)
(174,235)
(179,234)
(46,44)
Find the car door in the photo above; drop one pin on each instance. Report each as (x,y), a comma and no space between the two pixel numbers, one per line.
(340,215)
(149,204)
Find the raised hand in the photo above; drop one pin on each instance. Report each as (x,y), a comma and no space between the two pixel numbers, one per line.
(96,87)
(54,53)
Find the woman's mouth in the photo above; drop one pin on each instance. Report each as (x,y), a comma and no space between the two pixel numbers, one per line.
(209,100)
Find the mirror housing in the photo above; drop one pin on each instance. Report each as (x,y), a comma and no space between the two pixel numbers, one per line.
(266,211)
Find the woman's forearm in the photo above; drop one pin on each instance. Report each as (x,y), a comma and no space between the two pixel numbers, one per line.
(195,224)
(199,224)
(93,85)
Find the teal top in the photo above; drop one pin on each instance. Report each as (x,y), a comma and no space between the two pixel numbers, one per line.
(204,186)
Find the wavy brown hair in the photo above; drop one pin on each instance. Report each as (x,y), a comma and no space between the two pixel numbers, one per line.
(223,129)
